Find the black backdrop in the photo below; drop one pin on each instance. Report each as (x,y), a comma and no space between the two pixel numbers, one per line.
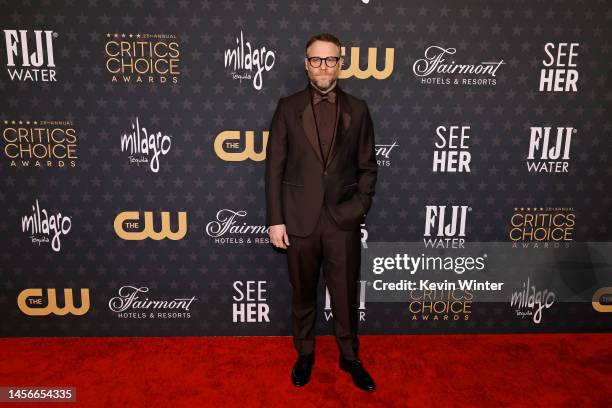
(211,74)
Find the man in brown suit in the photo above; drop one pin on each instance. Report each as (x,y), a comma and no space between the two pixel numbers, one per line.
(320,175)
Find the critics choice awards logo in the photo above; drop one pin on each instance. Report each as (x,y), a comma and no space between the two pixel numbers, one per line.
(29,55)
(542,227)
(39,143)
(143,58)
(436,304)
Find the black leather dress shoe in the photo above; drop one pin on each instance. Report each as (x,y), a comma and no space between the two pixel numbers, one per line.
(300,375)
(361,377)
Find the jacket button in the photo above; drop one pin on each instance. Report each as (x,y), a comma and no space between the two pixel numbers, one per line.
(325,173)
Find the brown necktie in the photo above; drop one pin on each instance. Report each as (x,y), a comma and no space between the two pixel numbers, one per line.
(329,96)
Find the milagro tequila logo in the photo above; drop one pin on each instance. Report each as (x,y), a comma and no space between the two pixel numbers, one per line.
(145,147)
(227,228)
(438,60)
(29,55)
(531,302)
(248,62)
(44,226)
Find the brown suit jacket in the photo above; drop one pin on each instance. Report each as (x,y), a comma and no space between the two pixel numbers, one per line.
(298,183)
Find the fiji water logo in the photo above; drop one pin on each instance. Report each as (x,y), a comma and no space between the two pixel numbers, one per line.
(29,55)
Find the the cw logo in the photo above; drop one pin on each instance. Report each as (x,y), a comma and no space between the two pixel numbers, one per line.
(34,297)
(602,300)
(132,220)
(231,139)
(371,71)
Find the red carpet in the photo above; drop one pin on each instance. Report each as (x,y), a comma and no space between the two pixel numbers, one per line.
(573,370)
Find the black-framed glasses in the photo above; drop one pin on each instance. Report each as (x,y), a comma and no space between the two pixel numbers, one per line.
(315,62)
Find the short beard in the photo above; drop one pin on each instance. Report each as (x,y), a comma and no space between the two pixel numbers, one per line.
(331,86)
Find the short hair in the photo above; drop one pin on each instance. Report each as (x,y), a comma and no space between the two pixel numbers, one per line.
(327,37)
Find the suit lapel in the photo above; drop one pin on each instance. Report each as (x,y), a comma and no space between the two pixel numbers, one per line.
(343,118)
(308,123)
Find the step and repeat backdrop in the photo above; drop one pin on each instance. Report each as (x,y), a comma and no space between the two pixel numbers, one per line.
(132,159)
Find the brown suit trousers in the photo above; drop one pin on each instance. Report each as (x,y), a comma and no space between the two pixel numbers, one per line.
(339,253)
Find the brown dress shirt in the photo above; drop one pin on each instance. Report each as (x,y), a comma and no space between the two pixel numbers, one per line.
(325,112)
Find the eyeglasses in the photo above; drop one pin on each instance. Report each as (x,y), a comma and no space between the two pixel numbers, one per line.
(315,62)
